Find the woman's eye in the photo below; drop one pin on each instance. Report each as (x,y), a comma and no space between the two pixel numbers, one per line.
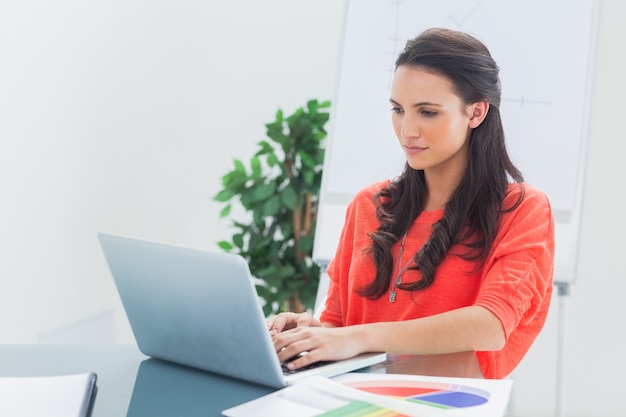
(428,113)
(396,109)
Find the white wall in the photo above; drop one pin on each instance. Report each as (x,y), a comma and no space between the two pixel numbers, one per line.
(121,116)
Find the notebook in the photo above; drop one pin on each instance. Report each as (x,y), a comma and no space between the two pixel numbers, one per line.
(51,396)
(200,309)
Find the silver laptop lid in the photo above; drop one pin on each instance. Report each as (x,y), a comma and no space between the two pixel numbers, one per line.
(193,307)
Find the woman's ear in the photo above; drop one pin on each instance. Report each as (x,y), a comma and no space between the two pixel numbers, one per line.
(478,113)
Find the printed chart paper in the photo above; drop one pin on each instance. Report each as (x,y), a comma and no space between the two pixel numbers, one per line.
(383,395)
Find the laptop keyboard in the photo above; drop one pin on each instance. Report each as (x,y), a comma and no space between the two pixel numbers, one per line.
(287,371)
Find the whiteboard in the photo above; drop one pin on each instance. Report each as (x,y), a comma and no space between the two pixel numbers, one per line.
(544,49)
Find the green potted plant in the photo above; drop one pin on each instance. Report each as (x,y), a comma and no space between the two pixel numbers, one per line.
(279,189)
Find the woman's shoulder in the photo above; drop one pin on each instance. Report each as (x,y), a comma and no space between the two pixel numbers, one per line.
(526,198)
(368,193)
(361,211)
(364,202)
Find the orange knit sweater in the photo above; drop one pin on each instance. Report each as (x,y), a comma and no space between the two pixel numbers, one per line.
(515,282)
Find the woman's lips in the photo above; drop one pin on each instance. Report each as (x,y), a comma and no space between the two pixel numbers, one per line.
(412,149)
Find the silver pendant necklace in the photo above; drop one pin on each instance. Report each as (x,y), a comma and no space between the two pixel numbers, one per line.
(397,271)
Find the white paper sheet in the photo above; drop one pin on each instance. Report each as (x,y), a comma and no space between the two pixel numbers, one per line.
(50,396)
(430,396)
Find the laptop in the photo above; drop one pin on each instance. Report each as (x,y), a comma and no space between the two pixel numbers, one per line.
(200,309)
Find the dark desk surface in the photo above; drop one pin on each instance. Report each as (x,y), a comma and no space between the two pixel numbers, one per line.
(131,384)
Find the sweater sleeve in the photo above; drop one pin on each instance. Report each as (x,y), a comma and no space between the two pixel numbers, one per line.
(517,286)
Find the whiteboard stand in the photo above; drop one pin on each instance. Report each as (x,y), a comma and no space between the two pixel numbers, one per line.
(322,289)
(563,293)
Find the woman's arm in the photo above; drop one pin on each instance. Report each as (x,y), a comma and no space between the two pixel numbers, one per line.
(464,329)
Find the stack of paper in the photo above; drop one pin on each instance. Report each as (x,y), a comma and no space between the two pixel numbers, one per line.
(50,396)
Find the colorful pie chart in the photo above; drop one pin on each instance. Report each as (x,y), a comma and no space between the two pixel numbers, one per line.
(435,394)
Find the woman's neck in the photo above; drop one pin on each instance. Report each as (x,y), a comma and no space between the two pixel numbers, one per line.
(440,188)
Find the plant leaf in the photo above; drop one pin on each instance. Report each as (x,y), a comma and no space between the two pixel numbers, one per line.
(271,206)
(225,245)
(307,160)
(258,219)
(224,195)
(272,160)
(255,164)
(265,148)
(225,211)
(238,240)
(239,167)
(263,191)
(289,197)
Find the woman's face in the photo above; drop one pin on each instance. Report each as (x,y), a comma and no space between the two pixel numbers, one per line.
(431,121)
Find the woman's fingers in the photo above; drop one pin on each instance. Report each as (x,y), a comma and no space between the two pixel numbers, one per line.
(298,348)
(305,345)
(286,321)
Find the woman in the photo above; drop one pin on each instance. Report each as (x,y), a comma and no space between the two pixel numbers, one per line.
(451,256)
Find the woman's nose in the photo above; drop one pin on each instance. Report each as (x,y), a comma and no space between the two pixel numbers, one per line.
(409,127)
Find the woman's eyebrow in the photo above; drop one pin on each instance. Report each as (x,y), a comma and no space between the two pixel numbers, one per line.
(421,103)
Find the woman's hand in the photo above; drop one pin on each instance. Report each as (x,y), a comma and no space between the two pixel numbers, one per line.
(315,344)
(287,321)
